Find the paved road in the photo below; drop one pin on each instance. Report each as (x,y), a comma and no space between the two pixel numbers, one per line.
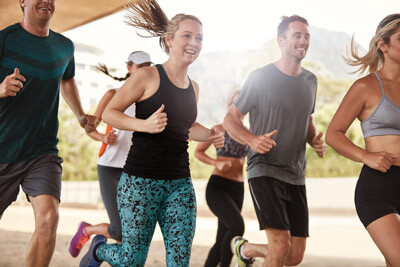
(337,236)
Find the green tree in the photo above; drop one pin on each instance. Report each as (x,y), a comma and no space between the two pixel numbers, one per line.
(77,149)
(198,169)
(330,92)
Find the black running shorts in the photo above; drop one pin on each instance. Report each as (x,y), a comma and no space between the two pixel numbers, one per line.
(377,193)
(280,205)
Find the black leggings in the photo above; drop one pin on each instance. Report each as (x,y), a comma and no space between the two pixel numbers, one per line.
(225,199)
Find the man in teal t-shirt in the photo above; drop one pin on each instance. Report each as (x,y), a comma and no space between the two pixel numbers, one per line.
(35,64)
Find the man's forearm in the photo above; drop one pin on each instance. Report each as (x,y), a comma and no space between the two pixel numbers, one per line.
(236,129)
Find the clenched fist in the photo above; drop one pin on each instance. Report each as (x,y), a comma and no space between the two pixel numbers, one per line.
(12,84)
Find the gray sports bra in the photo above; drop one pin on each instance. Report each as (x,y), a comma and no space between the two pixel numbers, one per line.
(385,120)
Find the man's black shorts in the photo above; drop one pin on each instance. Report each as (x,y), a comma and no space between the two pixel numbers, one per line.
(280,205)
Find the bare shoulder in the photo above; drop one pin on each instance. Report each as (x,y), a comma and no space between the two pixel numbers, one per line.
(146,78)
(145,82)
(195,85)
(107,96)
(146,73)
(365,90)
(365,84)
(363,96)
(110,93)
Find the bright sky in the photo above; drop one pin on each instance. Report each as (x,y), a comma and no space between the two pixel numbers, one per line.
(237,25)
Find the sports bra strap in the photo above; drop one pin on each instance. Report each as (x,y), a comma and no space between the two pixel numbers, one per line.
(380,83)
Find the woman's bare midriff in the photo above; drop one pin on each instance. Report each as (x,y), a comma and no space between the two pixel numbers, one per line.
(384,143)
(235,173)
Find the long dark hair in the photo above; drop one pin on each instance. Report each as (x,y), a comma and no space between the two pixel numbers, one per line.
(103,68)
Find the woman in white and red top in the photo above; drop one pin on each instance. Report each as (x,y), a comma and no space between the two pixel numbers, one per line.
(112,157)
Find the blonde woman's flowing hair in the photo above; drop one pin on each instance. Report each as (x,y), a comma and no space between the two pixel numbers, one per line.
(147,15)
(372,61)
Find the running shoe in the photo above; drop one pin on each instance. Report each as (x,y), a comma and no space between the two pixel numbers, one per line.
(78,240)
(236,243)
(89,259)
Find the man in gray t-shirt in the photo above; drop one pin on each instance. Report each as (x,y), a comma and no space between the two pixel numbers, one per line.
(280,100)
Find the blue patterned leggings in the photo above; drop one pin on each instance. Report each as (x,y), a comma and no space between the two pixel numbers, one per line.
(142,203)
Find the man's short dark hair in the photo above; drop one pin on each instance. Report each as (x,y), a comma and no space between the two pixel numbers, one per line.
(283,26)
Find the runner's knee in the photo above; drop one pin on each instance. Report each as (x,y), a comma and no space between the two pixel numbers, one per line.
(296,254)
(47,221)
(294,260)
(279,248)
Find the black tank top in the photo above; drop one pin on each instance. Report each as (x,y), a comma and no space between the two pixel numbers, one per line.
(164,155)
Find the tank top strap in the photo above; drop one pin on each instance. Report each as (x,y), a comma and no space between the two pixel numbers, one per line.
(164,76)
(162,72)
(380,83)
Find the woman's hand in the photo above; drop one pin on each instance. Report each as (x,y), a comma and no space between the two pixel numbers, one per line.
(217,138)
(380,161)
(156,123)
(223,165)
(110,138)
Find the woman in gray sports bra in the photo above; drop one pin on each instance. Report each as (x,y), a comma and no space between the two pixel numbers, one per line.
(375,101)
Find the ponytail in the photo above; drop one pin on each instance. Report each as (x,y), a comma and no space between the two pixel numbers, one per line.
(147,15)
(373,60)
(103,68)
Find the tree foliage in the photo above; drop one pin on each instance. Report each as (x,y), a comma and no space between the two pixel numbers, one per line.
(77,149)
(330,93)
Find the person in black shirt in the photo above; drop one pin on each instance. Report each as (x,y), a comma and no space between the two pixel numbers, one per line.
(155,185)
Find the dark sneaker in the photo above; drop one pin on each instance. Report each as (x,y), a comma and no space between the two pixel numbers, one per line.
(236,243)
(78,240)
(89,259)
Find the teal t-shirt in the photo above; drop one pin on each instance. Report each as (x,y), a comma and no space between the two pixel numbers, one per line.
(28,121)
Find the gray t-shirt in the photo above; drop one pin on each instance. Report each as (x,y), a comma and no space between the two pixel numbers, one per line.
(285,103)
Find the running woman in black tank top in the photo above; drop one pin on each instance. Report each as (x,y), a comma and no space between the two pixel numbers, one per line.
(224,193)
(155,186)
